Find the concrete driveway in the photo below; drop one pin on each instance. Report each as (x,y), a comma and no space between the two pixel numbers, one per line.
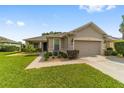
(113,66)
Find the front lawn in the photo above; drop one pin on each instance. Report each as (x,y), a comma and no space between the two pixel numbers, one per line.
(12,74)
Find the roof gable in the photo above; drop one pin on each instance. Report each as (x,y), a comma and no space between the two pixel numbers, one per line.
(61,35)
(90,24)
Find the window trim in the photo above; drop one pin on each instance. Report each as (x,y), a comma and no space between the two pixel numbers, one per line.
(54,43)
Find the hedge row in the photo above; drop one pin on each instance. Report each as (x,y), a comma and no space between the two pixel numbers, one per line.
(8,48)
(119,46)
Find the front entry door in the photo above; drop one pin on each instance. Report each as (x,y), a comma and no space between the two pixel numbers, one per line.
(45,46)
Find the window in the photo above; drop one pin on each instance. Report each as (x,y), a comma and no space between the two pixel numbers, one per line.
(36,45)
(56,44)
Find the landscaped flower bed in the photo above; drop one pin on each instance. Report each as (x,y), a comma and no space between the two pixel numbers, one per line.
(71,54)
(54,55)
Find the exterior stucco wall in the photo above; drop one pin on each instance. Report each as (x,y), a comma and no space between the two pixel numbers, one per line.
(110,44)
(103,48)
(88,32)
(91,32)
(70,42)
(50,44)
(64,44)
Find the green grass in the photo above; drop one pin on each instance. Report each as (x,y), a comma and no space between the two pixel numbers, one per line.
(12,74)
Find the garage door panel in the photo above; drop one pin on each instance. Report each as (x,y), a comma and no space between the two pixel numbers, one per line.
(88,48)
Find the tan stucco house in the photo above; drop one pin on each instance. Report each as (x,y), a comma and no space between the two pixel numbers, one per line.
(89,39)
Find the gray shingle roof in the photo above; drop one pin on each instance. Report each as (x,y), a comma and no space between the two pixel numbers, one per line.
(112,38)
(44,37)
(38,38)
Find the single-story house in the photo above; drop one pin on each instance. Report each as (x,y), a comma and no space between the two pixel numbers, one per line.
(89,39)
(6,41)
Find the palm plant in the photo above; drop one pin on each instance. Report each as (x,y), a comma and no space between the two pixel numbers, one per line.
(122,27)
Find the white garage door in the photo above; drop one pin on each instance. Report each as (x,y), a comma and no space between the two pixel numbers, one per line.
(88,48)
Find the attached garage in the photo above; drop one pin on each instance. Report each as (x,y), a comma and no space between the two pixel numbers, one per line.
(88,48)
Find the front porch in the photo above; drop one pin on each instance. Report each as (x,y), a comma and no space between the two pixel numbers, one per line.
(43,45)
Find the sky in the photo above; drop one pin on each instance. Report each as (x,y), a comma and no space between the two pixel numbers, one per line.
(21,22)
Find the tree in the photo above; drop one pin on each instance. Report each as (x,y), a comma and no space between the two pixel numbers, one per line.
(122,27)
(51,32)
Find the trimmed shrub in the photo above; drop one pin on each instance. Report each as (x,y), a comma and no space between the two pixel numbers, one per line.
(109,51)
(46,56)
(50,53)
(62,54)
(114,53)
(55,53)
(8,48)
(23,47)
(29,48)
(72,54)
(119,47)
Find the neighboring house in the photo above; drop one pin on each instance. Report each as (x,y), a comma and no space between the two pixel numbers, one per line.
(6,41)
(89,39)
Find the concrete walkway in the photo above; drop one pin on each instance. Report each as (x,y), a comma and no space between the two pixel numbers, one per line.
(107,66)
(38,63)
